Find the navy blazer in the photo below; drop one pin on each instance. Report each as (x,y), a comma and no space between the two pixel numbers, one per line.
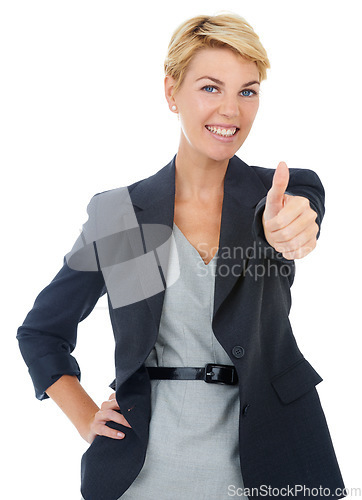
(283,434)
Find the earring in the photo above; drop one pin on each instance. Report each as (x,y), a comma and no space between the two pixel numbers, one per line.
(173,108)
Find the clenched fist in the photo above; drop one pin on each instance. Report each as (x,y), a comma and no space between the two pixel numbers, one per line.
(289,222)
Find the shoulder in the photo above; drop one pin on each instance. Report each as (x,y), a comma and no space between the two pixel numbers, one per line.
(297,175)
(303,176)
(114,193)
(158,184)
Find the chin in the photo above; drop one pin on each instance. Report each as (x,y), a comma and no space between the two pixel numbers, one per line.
(221,159)
(224,155)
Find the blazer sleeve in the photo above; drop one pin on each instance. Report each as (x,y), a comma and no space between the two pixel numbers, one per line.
(48,334)
(302,182)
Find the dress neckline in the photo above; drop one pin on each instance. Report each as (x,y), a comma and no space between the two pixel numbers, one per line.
(194,249)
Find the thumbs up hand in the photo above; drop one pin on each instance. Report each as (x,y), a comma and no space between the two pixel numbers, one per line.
(289,222)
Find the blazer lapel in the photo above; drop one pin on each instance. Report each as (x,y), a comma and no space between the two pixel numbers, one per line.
(242,192)
(154,199)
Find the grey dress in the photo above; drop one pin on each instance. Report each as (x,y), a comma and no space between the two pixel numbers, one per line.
(193,449)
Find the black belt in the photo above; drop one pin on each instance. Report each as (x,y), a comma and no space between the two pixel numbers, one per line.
(211,373)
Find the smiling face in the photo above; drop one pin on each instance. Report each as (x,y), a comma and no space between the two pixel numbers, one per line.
(217,103)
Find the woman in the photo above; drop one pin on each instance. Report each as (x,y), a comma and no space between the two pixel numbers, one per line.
(212,397)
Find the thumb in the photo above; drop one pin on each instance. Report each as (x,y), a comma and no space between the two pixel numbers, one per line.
(275,196)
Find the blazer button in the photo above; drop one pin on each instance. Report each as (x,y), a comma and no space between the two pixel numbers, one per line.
(238,351)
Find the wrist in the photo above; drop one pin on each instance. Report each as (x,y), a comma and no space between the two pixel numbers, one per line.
(85,429)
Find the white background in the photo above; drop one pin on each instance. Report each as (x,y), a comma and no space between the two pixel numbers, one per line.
(83,110)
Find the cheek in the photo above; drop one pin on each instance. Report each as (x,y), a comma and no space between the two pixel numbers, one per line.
(194,115)
(197,111)
(254,109)
(249,112)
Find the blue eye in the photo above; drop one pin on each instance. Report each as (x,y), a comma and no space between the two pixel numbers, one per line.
(248,93)
(209,87)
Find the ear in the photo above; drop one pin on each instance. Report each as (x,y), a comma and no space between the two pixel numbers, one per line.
(169,86)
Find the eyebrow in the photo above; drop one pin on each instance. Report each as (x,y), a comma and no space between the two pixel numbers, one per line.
(219,82)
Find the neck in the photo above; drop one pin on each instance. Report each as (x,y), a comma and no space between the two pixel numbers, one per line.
(198,178)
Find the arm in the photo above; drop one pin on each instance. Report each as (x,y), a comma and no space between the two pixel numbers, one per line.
(83,412)
(46,340)
(73,400)
(48,337)
(48,334)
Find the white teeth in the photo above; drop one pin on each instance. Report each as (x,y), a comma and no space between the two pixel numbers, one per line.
(226,132)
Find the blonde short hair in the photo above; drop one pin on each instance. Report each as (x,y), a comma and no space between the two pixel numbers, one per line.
(223,30)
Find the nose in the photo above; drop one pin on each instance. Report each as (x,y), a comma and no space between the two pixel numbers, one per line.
(229,106)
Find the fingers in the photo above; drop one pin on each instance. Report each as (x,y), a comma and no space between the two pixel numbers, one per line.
(293,232)
(302,242)
(110,404)
(297,207)
(300,252)
(100,427)
(275,196)
(294,207)
(109,413)
(280,183)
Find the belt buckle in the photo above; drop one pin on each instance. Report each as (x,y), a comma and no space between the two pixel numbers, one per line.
(220,374)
